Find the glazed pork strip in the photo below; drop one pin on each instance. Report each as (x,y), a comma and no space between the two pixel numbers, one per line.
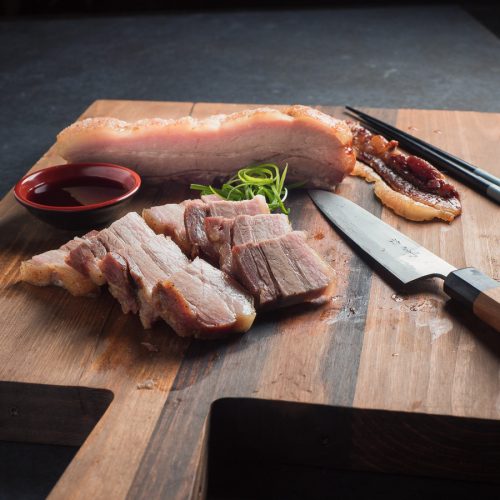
(169,220)
(283,271)
(203,302)
(209,149)
(224,233)
(50,268)
(409,185)
(197,210)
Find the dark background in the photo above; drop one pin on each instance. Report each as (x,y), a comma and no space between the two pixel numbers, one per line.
(488,12)
(56,57)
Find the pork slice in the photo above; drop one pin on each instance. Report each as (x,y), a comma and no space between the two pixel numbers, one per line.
(230,209)
(316,146)
(87,255)
(156,260)
(50,268)
(194,220)
(203,302)
(133,271)
(210,197)
(247,229)
(219,233)
(223,233)
(115,269)
(198,210)
(120,239)
(283,271)
(169,220)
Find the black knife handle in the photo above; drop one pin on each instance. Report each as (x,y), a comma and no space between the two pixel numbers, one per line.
(477,291)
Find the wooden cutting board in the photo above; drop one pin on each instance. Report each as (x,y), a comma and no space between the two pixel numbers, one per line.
(372,347)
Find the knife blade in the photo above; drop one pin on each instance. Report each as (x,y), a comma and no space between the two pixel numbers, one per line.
(407,260)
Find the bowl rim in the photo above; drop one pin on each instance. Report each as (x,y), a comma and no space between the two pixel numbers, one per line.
(84,208)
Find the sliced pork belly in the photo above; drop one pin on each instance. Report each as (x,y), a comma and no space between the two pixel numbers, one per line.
(197,210)
(169,220)
(123,236)
(157,260)
(203,302)
(259,228)
(101,257)
(316,146)
(115,271)
(229,209)
(194,217)
(219,233)
(283,271)
(86,257)
(134,271)
(223,233)
(50,268)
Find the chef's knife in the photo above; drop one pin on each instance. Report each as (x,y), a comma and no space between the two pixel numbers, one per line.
(408,261)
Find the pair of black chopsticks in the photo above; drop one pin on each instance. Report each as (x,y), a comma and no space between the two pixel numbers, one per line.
(476,178)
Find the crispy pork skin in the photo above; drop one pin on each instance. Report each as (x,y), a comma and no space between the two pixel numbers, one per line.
(203,302)
(283,271)
(316,146)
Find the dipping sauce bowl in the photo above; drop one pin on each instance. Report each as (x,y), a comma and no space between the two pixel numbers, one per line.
(77,195)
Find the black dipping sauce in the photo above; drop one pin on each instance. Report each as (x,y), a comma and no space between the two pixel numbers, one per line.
(77,192)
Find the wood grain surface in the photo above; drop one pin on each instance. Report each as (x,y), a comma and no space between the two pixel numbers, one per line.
(373,346)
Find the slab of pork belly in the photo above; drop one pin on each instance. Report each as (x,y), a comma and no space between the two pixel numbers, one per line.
(316,146)
(223,233)
(283,271)
(203,302)
(50,268)
(197,210)
(169,220)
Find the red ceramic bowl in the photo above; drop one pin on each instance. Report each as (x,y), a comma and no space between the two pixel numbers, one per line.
(77,195)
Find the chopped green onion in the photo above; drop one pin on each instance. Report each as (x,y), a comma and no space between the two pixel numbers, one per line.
(248,182)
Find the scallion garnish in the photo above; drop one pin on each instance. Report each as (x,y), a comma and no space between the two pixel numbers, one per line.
(264,179)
